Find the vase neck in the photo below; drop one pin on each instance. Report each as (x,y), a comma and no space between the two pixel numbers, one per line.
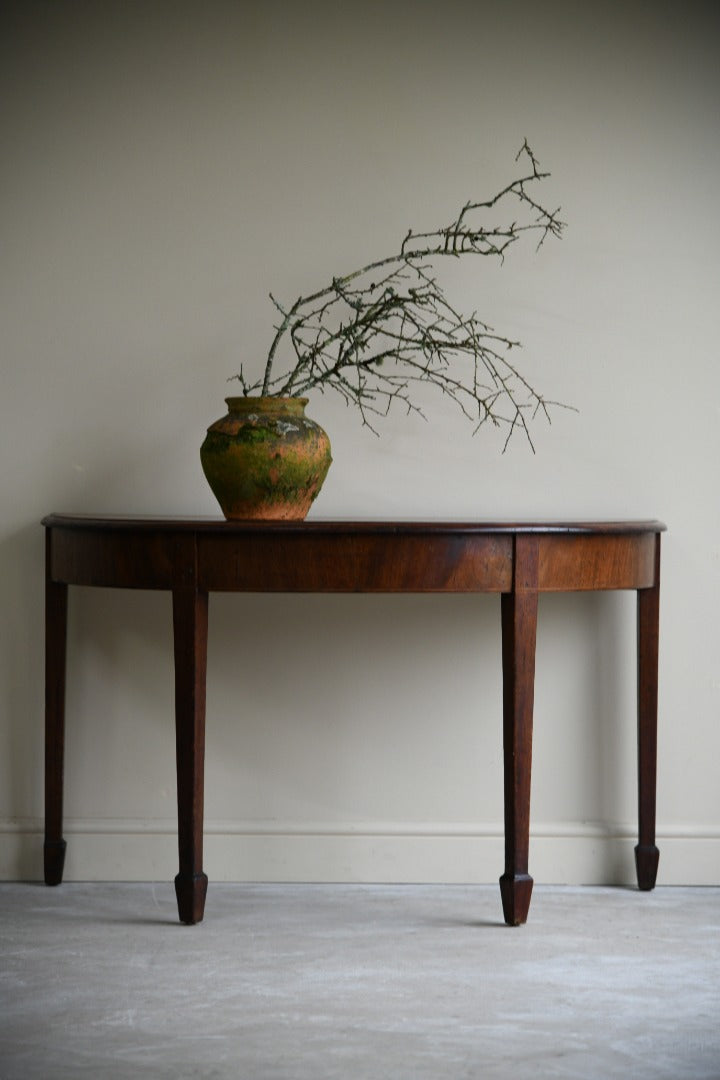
(292,406)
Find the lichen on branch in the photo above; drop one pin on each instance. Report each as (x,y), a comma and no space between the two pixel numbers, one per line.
(374,334)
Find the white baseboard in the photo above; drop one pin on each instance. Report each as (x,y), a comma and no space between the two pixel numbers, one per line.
(575,854)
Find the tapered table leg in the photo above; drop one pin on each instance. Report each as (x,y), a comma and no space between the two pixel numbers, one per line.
(646,853)
(190,623)
(519,625)
(55,656)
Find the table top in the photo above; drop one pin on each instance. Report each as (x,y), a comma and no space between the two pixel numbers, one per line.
(113,522)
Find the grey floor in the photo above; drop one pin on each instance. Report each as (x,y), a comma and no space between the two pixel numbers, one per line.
(323,982)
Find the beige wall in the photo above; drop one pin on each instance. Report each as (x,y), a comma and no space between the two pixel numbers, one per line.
(166,165)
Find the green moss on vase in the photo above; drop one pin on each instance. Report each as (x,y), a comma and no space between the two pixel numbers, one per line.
(265,459)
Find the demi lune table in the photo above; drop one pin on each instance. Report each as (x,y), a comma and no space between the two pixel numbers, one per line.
(192,558)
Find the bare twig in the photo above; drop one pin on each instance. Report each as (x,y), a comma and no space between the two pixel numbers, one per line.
(375,333)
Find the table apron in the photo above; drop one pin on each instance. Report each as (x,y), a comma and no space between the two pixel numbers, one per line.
(572,563)
(123,560)
(361,563)
(214,562)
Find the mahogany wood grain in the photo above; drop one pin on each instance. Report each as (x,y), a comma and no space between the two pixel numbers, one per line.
(573,563)
(56,599)
(355,562)
(519,610)
(192,557)
(190,631)
(126,559)
(648,625)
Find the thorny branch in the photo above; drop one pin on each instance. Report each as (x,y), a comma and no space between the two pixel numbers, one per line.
(376,333)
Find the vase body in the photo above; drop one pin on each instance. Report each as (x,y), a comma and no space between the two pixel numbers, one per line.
(265,460)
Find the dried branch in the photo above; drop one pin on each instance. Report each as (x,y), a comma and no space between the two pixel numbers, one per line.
(374,334)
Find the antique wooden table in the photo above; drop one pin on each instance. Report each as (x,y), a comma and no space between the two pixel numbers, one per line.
(191,558)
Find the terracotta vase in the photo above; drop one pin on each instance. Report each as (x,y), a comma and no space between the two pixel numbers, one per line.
(265,459)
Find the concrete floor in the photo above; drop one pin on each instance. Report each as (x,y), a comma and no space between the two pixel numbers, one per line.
(309,982)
